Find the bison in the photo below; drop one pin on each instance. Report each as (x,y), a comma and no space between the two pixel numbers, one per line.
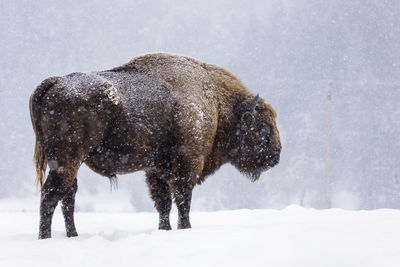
(173,117)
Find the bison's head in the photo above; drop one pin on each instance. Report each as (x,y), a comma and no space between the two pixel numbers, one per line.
(258,144)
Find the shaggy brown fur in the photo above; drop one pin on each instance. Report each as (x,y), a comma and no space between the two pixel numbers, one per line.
(171,116)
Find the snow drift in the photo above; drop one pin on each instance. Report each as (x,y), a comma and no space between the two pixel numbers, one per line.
(294,236)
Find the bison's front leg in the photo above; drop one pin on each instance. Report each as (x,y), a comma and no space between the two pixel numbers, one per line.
(183,197)
(68,207)
(161,195)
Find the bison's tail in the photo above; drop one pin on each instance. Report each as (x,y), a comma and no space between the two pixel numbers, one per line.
(35,103)
(40,162)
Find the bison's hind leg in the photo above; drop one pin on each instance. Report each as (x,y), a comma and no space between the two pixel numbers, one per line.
(68,208)
(161,195)
(60,185)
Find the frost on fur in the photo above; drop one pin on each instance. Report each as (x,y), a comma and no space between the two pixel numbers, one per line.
(112,94)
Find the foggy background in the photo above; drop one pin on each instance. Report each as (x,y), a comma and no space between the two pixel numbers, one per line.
(292,52)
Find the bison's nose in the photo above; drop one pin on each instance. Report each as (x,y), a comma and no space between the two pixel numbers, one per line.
(273,159)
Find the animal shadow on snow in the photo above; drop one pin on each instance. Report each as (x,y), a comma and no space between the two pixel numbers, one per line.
(114,235)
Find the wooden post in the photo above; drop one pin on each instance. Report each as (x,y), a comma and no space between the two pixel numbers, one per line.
(328,146)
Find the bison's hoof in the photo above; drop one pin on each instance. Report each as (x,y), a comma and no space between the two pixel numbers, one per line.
(72,234)
(164,226)
(185,225)
(44,235)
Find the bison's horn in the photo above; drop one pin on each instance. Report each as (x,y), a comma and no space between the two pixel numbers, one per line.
(254,103)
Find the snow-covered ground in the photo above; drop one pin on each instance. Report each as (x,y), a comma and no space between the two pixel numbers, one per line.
(294,236)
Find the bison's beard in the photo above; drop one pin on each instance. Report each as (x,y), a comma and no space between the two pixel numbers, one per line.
(255,174)
(252,172)
(248,162)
